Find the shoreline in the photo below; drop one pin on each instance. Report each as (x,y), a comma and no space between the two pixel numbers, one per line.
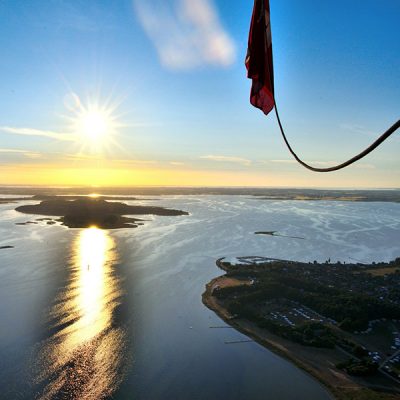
(255,193)
(211,303)
(338,384)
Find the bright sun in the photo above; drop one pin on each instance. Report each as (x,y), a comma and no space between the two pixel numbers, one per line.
(95,125)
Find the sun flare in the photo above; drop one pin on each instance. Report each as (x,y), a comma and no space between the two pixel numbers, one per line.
(94,124)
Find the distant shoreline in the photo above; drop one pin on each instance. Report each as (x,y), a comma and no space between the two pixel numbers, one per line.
(257,193)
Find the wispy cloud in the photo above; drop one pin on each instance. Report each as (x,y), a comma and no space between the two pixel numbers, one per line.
(324,163)
(176,163)
(186,33)
(359,129)
(362,130)
(314,163)
(80,160)
(365,166)
(283,161)
(38,132)
(236,160)
(81,157)
(26,153)
(131,162)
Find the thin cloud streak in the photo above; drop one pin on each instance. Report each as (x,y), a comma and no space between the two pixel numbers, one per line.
(283,161)
(359,129)
(325,163)
(26,153)
(177,163)
(186,33)
(320,163)
(38,132)
(81,158)
(236,160)
(88,158)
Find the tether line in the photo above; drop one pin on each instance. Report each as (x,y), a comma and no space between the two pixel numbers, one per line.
(359,156)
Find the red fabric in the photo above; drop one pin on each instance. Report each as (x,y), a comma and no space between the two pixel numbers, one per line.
(259,58)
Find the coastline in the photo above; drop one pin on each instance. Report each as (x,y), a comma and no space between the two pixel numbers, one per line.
(339,385)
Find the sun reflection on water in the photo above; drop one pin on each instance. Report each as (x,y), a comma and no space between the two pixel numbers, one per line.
(83,358)
(95,251)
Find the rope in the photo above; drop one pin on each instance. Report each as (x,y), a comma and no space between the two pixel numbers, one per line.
(359,156)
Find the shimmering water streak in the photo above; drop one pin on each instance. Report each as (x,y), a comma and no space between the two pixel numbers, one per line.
(83,359)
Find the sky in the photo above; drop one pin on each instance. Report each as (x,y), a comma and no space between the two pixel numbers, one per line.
(167,79)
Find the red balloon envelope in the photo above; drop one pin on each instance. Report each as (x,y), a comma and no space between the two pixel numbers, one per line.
(259,58)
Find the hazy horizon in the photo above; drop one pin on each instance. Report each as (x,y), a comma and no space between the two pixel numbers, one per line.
(134,187)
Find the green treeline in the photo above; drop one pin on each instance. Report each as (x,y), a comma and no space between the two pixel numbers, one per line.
(362,367)
(352,311)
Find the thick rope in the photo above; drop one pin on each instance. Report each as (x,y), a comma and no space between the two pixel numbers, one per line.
(359,156)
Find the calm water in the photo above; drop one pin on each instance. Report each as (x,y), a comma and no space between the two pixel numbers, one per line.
(88,313)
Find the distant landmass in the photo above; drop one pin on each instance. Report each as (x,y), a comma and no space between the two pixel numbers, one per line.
(85,212)
(7,200)
(332,195)
(386,195)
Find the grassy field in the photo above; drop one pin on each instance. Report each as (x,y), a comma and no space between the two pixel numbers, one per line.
(382,271)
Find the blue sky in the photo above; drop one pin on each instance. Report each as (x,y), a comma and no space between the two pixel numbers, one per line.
(174,69)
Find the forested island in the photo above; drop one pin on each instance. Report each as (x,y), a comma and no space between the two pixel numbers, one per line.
(86,211)
(340,322)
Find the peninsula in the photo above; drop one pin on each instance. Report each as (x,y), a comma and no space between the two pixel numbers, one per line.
(86,211)
(339,322)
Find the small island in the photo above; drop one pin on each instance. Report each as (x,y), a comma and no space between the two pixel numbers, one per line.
(86,211)
(339,322)
(275,233)
(6,247)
